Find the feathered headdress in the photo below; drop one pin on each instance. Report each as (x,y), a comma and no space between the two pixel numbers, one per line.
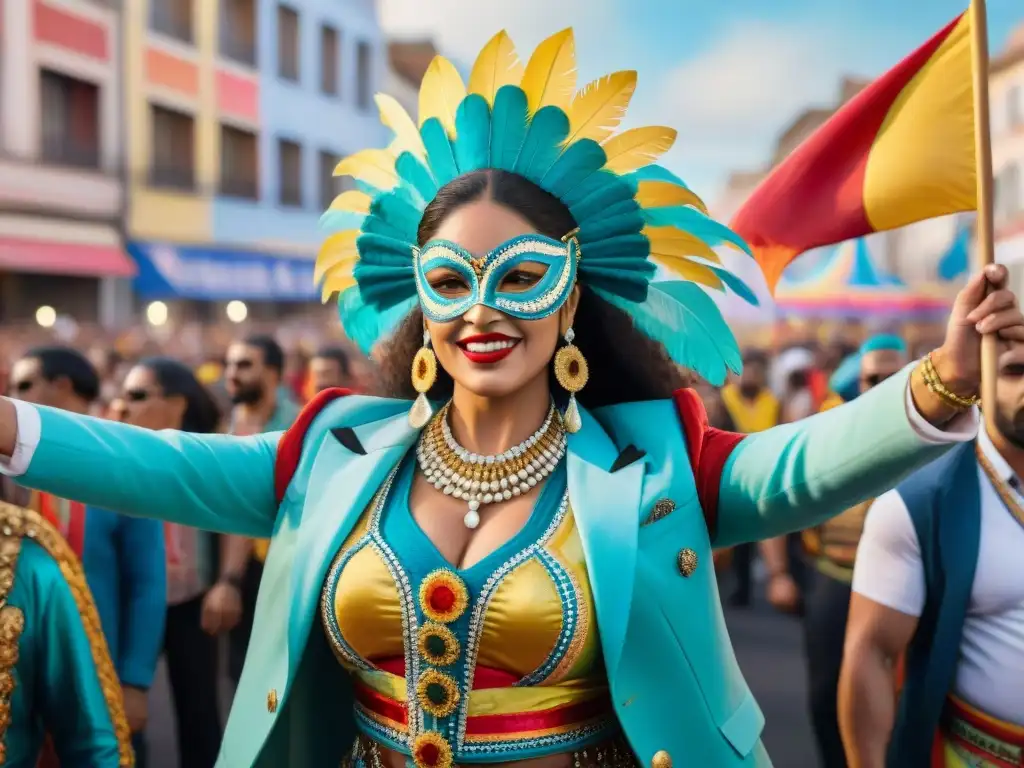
(632,213)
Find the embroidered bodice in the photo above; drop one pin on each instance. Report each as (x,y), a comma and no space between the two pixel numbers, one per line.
(498,659)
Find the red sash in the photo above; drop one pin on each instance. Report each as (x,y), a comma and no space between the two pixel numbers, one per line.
(68,517)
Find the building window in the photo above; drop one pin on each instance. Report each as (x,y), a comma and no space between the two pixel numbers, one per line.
(239,163)
(69,120)
(1015,107)
(329,60)
(173,149)
(172,18)
(330,185)
(287,43)
(238,30)
(364,74)
(289,157)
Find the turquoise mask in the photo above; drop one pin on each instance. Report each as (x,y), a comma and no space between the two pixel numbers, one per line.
(485,275)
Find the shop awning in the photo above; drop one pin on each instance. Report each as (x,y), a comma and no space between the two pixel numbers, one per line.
(168,271)
(63,258)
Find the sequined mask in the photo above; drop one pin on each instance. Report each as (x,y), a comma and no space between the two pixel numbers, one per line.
(485,275)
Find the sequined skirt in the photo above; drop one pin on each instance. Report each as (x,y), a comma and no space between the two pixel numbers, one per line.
(611,753)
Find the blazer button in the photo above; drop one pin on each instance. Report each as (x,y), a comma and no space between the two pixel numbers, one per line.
(687,562)
(661,759)
(272,700)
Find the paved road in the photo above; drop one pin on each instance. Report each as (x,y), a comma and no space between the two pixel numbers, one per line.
(769,650)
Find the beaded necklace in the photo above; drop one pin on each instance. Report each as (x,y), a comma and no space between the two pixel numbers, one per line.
(1007,496)
(481,479)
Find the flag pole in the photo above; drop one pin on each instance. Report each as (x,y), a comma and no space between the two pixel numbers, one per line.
(983,170)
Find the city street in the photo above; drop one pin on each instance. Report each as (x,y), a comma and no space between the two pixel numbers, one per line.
(769,650)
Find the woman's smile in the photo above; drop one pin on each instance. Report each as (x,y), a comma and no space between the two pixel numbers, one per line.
(487,348)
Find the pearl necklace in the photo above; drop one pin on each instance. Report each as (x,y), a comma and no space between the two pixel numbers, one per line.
(488,479)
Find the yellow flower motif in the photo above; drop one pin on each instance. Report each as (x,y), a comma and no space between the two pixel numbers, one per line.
(437,693)
(430,750)
(438,645)
(443,596)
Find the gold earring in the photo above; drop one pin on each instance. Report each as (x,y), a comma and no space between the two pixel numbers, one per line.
(424,374)
(572,373)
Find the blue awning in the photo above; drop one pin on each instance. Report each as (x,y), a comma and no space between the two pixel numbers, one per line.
(212,274)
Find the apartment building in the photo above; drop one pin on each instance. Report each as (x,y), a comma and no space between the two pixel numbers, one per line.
(61,180)
(1006,95)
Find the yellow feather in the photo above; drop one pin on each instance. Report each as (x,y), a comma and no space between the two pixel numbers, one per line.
(407,135)
(497,65)
(658,194)
(374,166)
(336,284)
(599,107)
(637,147)
(550,75)
(335,251)
(353,201)
(673,243)
(692,271)
(441,93)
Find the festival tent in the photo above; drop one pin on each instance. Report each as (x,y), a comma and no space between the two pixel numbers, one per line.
(847,285)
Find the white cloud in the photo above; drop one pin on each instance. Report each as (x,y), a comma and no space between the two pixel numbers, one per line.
(730,102)
(459,28)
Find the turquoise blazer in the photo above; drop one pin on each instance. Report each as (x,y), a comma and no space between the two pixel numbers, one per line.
(674,679)
(53,658)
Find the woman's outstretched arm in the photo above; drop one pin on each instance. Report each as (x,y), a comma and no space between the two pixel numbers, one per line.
(214,482)
(797,475)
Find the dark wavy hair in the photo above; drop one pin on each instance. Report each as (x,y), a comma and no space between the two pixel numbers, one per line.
(176,379)
(625,365)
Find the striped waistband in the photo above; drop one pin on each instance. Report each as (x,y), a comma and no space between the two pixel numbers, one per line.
(556,729)
(998,742)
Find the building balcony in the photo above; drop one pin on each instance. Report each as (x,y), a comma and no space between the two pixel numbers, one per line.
(63,187)
(238,51)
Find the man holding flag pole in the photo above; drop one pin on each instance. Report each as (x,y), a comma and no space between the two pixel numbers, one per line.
(939,578)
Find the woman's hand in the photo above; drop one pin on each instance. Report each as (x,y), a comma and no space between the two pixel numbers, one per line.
(8,427)
(985,305)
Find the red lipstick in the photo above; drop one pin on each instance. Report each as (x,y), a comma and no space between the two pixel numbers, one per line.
(490,356)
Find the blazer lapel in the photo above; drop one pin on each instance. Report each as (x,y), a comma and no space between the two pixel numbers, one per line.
(606,506)
(341,485)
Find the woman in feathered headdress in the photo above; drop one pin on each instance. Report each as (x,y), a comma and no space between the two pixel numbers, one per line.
(516,566)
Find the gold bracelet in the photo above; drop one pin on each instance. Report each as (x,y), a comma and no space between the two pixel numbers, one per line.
(937,387)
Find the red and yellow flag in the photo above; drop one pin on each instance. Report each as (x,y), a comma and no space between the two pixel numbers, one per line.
(900,151)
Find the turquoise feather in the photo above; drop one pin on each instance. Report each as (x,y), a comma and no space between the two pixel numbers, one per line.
(656,173)
(694,222)
(416,177)
(620,208)
(399,213)
(375,248)
(577,163)
(440,154)
(508,126)
(384,286)
(595,183)
(623,224)
(378,225)
(542,145)
(473,134)
(688,323)
(634,247)
(365,325)
(600,202)
(366,189)
(338,221)
(736,285)
(631,285)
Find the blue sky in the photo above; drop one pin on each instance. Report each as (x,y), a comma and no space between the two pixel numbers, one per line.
(728,76)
